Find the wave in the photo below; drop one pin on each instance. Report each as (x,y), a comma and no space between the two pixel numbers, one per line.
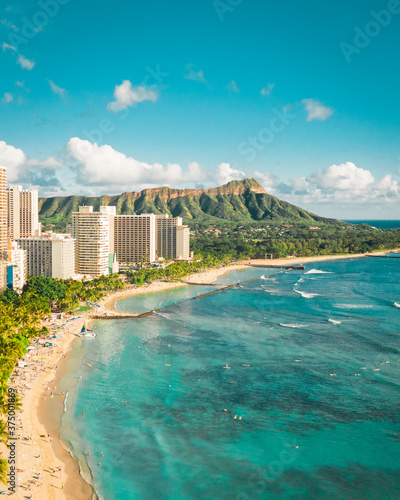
(273,290)
(307,295)
(263,277)
(354,306)
(65,401)
(163,315)
(317,271)
(334,321)
(293,325)
(397,305)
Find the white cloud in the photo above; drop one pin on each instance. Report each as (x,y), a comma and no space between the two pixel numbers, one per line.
(197,76)
(387,187)
(56,89)
(49,162)
(28,171)
(225,173)
(25,63)
(8,97)
(11,158)
(345,184)
(104,165)
(267,90)
(344,177)
(126,95)
(22,86)
(233,87)
(7,46)
(267,180)
(9,24)
(316,110)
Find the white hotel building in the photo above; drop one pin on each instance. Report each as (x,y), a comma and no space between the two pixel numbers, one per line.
(104,239)
(50,255)
(22,212)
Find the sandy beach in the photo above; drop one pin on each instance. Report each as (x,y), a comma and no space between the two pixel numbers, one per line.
(46,471)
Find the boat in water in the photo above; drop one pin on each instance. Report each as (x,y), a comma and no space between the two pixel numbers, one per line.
(86,333)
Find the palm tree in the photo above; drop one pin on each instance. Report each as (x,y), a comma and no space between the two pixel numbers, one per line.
(3,470)
(3,432)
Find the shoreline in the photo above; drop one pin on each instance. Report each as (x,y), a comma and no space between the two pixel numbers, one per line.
(41,414)
(107,305)
(45,469)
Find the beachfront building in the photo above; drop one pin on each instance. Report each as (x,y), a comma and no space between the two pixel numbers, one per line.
(94,236)
(182,242)
(16,259)
(23,212)
(172,238)
(3,209)
(3,275)
(135,239)
(105,241)
(50,255)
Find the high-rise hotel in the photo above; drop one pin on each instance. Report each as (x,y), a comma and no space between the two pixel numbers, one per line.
(3,209)
(105,241)
(94,235)
(135,238)
(172,238)
(23,212)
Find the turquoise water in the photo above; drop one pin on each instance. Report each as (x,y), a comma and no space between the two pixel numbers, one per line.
(314,424)
(380,224)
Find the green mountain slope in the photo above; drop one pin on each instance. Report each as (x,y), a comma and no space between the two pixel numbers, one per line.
(238,201)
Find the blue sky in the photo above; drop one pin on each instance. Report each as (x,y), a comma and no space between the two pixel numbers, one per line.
(104,98)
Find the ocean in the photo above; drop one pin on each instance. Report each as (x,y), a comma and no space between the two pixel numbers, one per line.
(286,388)
(379,224)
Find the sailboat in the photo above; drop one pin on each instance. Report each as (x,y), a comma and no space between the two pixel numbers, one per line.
(86,333)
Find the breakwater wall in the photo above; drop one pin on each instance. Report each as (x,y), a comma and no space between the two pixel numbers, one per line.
(219,290)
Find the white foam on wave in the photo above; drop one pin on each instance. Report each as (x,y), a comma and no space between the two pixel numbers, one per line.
(397,305)
(317,271)
(65,401)
(293,325)
(163,315)
(272,290)
(354,306)
(306,295)
(334,321)
(299,281)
